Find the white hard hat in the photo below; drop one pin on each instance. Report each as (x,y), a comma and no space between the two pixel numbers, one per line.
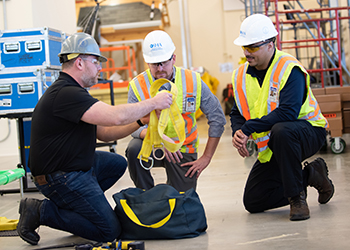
(255,28)
(80,43)
(157,47)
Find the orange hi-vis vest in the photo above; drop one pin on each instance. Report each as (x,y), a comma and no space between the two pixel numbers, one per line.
(189,87)
(254,101)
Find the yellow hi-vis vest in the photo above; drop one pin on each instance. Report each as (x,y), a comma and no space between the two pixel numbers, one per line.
(189,87)
(254,101)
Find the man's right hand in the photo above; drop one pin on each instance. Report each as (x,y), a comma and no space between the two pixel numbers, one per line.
(163,100)
(239,141)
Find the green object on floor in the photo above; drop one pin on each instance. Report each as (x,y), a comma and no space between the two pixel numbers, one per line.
(7,176)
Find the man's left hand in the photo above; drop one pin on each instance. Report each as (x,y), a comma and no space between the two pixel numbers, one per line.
(197,166)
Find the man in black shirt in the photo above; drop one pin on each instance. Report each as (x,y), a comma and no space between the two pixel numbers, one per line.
(65,125)
(274,104)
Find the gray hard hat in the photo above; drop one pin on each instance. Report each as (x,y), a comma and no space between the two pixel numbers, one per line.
(77,44)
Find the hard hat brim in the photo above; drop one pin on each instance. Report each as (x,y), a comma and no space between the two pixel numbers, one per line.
(100,57)
(240,41)
(158,59)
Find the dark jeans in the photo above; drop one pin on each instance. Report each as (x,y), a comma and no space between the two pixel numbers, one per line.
(76,202)
(270,184)
(175,173)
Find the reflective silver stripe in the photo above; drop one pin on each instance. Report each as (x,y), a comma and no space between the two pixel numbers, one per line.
(194,80)
(261,139)
(184,95)
(138,85)
(184,86)
(280,76)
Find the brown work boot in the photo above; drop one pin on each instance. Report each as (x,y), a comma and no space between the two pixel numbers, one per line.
(29,220)
(318,178)
(299,209)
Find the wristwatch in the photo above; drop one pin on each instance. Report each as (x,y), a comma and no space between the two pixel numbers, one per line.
(140,123)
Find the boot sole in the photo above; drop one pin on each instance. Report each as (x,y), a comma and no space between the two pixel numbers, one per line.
(297,218)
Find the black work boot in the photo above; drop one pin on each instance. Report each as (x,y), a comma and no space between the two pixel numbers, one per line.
(299,209)
(318,178)
(29,220)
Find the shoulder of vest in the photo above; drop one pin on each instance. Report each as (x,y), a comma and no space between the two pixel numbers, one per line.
(293,62)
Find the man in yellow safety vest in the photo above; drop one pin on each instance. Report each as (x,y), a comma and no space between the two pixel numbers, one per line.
(182,167)
(274,105)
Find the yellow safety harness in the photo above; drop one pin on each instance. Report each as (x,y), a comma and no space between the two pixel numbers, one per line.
(155,131)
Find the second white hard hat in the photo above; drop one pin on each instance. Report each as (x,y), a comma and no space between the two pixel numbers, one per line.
(255,28)
(157,47)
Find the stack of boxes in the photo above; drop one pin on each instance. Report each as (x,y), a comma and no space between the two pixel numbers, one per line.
(29,64)
(335,106)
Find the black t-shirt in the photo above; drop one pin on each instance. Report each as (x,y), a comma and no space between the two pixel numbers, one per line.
(59,139)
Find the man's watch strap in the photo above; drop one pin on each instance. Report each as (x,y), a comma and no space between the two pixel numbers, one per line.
(140,123)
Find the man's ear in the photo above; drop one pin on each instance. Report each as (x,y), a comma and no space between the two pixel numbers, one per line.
(79,63)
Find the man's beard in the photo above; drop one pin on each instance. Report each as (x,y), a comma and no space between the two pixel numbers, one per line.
(88,81)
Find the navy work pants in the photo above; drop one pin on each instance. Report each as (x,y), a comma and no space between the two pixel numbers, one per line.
(76,202)
(175,173)
(270,184)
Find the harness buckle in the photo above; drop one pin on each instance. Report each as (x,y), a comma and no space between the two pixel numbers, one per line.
(149,158)
(158,147)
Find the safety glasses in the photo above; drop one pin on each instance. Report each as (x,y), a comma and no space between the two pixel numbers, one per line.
(163,64)
(93,61)
(255,48)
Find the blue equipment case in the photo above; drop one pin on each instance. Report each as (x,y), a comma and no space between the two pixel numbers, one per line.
(30,47)
(21,89)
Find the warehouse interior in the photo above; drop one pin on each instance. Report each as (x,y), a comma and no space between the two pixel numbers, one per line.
(316,32)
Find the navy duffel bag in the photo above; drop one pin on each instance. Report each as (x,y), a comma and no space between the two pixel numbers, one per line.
(159,213)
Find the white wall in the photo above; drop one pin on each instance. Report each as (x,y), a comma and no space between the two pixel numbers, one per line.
(212,31)
(23,14)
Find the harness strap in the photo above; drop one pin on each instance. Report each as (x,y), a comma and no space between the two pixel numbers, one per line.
(155,131)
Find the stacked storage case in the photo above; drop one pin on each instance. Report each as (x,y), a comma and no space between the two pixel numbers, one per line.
(29,64)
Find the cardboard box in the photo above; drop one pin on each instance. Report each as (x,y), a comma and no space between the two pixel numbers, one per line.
(336,133)
(335,123)
(330,107)
(318,91)
(337,90)
(346,118)
(332,115)
(329,98)
(329,103)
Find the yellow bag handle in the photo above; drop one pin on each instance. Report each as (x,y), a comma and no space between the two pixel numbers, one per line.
(154,136)
(132,216)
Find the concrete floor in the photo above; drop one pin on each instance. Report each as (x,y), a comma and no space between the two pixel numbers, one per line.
(230,226)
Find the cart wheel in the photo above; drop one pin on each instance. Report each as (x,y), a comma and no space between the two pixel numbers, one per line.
(340,148)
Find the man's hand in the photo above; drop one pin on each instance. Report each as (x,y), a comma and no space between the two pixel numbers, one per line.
(197,166)
(239,141)
(145,119)
(172,157)
(163,100)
